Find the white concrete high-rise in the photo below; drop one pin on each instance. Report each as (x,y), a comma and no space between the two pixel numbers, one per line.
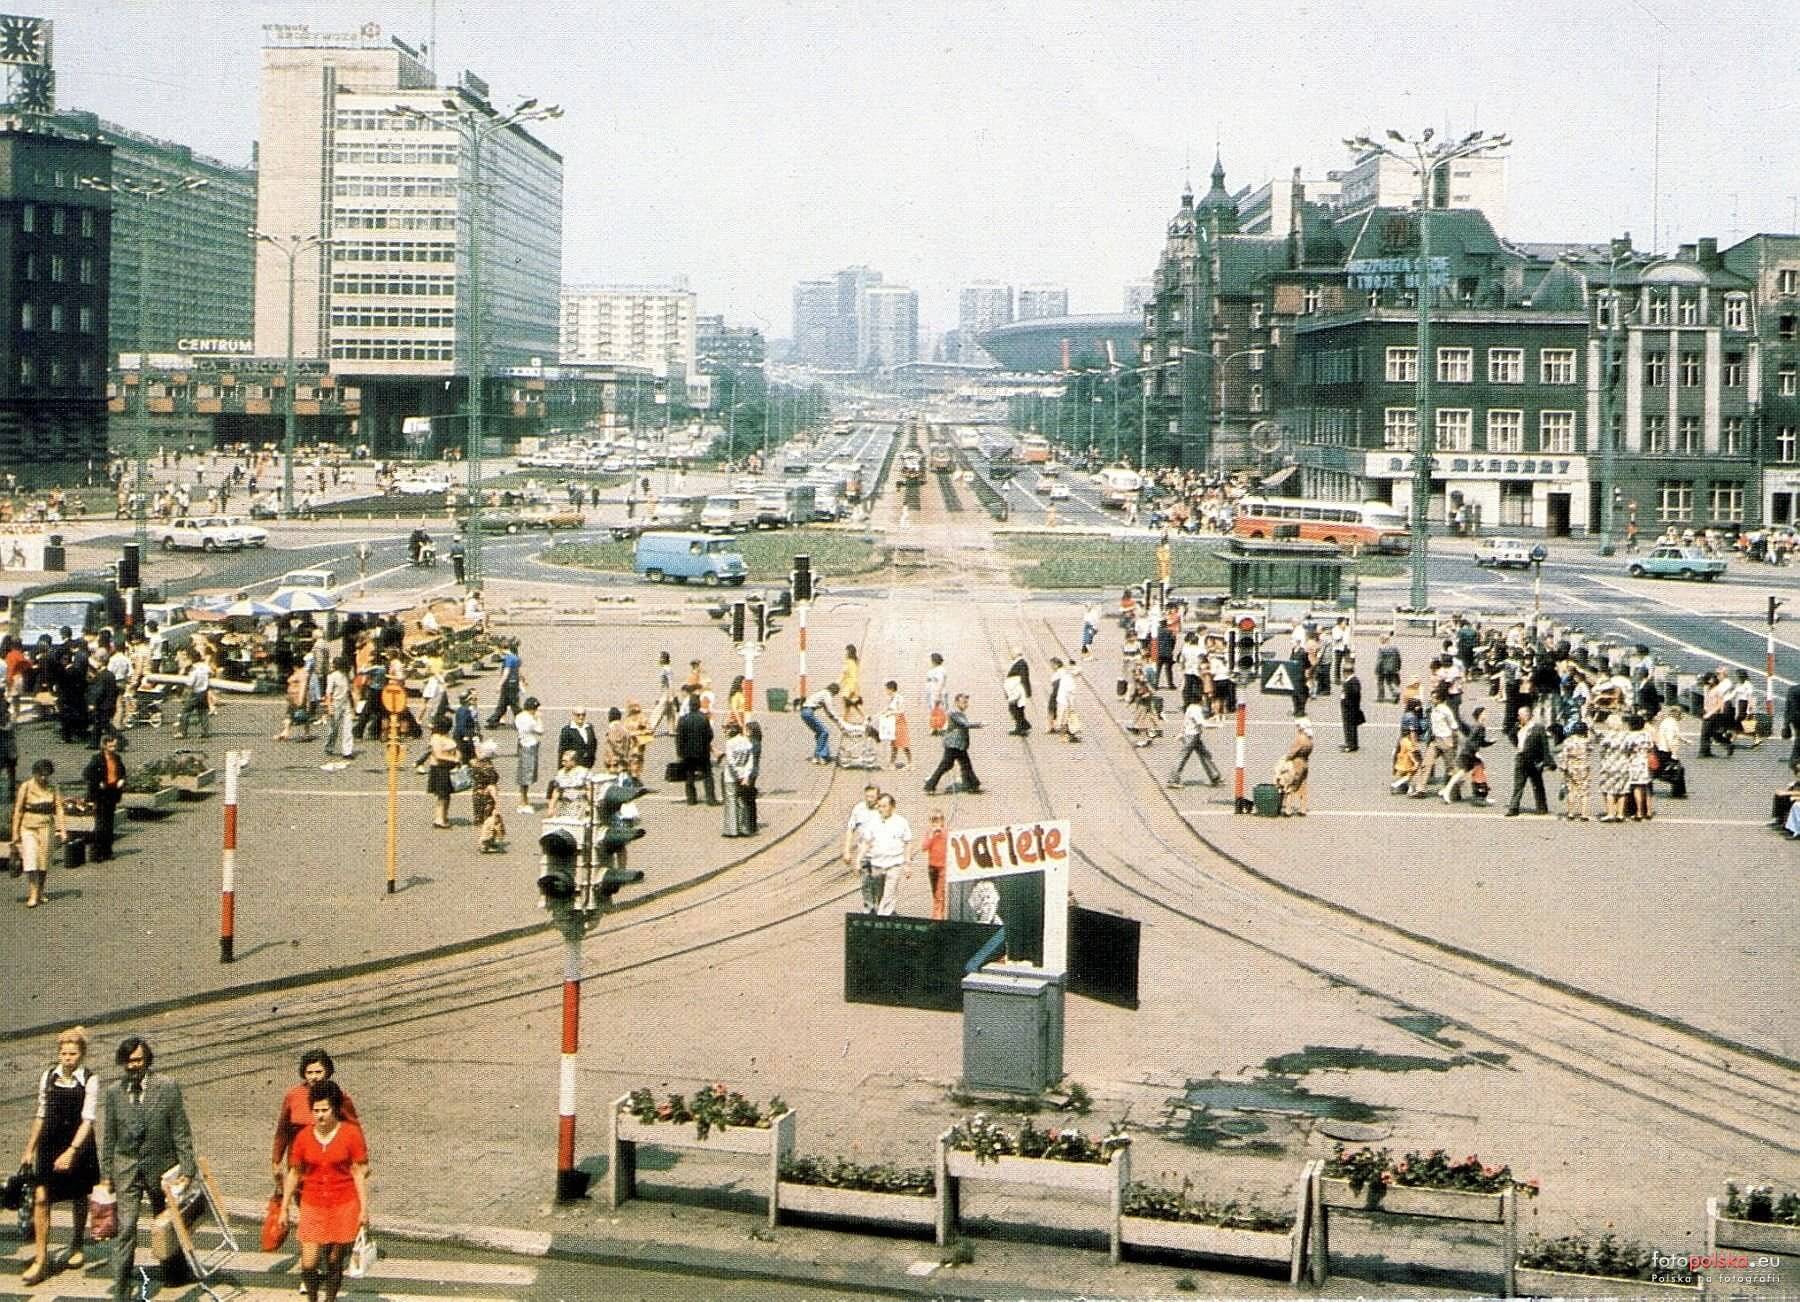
(982,305)
(892,332)
(1042,300)
(342,155)
(1378,181)
(640,325)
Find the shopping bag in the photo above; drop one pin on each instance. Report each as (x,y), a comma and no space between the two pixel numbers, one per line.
(275,1225)
(363,1255)
(103,1215)
(16,1192)
(939,718)
(461,778)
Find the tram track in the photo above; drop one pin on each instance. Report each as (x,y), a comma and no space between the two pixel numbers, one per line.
(1650,1057)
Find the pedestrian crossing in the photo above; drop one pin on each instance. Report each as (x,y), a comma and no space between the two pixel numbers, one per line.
(267,1276)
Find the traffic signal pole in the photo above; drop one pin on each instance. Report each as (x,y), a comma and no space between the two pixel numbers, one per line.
(570,1183)
(1775,605)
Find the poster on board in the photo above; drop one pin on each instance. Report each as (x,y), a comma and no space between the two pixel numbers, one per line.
(1015,875)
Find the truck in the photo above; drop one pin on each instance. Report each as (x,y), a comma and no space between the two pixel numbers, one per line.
(728,513)
(678,512)
(781,505)
(82,604)
(683,556)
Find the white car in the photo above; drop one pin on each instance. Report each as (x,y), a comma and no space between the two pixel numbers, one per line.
(417,485)
(1057,491)
(204,533)
(1504,553)
(254,535)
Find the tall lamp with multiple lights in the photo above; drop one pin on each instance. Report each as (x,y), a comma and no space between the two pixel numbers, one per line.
(1424,157)
(475,122)
(146,194)
(292,246)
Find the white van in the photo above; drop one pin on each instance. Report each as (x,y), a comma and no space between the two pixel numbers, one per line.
(728,513)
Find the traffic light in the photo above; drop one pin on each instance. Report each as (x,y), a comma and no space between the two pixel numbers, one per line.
(1246,642)
(802,578)
(1775,604)
(736,619)
(561,844)
(130,567)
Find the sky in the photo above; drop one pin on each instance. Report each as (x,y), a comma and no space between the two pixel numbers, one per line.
(745,146)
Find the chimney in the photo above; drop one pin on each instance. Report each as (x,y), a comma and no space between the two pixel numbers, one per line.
(1685,253)
(1621,245)
(1709,251)
(1296,221)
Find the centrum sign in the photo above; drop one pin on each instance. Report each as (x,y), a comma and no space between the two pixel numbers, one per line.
(244,346)
(1395,273)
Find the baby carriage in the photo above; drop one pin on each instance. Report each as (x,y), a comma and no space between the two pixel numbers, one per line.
(861,746)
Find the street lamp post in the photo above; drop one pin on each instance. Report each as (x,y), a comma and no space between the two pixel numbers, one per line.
(1621,254)
(145,193)
(475,122)
(291,246)
(1425,159)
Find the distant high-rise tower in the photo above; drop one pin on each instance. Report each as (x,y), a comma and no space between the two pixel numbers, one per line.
(815,323)
(982,306)
(853,286)
(1042,300)
(891,313)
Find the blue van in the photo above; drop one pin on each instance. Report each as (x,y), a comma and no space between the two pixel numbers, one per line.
(683,556)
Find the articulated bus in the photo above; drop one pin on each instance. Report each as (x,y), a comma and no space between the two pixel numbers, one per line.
(1360,526)
(1034,449)
(1118,486)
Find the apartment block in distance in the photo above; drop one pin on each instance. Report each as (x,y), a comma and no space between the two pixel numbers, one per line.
(981,306)
(1037,301)
(652,326)
(892,330)
(345,153)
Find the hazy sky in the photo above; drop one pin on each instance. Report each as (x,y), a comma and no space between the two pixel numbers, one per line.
(746,146)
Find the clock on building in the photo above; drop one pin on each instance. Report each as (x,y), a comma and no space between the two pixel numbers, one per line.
(33,89)
(24,40)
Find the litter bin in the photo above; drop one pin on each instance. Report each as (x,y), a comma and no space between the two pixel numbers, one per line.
(1012,1030)
(55,557)
(1268,800)
(777,698)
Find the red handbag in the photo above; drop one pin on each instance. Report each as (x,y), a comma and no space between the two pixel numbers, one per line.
(275,1225)
(939,719)
(103,1215)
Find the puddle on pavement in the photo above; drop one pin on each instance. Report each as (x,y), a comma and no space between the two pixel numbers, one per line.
(1325,1057)
(1426,1026)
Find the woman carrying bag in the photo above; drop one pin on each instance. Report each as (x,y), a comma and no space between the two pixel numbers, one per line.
(37,810)
(328,1170)
(446,756)
(60,1150)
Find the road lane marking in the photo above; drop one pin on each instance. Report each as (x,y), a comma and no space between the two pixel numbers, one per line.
(1704,654)
(1495,812)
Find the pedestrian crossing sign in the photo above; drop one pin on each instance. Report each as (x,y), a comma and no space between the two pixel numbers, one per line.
(1278,677)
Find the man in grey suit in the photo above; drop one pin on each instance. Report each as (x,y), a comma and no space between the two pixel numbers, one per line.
(144,1131)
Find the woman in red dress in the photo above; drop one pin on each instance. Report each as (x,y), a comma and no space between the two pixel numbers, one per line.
(296,1108)
(331,1162)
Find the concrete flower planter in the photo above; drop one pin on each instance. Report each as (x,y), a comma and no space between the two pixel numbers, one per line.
(1110,1178)
(1449,1205)
(1201,1240)
(773,1142)
(194,784)
(915,1211)
(1530,1281)
(1753,1236)
(150,802)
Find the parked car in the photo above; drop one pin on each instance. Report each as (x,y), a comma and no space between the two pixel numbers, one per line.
(1504,553)
(553,517)
(312,580)
(202,533)
(421,483)
(684,556)
(1669,561)
(496,520)
(254,534)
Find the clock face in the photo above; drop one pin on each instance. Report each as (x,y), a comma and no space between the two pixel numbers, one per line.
(34,89)
(24,40)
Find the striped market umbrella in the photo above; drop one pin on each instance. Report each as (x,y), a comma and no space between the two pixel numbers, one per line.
(300,601)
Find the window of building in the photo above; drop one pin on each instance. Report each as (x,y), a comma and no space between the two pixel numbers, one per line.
(84,370)
(1656,434)
(1787,326)
(1787,444)
(87,222)
(1400,429)
(1787,282)
(28,218)
(1506,366)
(1618,431)
(1374,299)
(30,266)
(1731,436)
(87,269)
(1659,310)
(1675,500)
(1731,375)
(1455,365)
(1785,382)
(27,371)
(1256,397)
(1727,503)
(1311,300)
(1692,364)
(87,321)
(59,268)
(1556,366)
(1256,315)
(1687,436)
(1256,359)
(58,373)
(1556,431)
(27,317)
(1656,369)
(56,221)
(1687,309)
(1402,365)
(1454,428)
(1737,312)
(1506,431)
(56,316)
(1606,309)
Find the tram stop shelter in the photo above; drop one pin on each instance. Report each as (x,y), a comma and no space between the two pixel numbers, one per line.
(1264,570)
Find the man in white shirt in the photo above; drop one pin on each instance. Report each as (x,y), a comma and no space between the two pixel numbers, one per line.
(1193,743)
(861,817)
(887,841)
(1442,746)
(197,709)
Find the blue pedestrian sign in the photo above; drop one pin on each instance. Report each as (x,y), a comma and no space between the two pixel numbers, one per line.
(1279,677)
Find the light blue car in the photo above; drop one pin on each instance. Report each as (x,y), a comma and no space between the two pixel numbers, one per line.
(1671,562)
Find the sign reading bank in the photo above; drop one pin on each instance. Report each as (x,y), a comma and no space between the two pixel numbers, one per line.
(1016,874)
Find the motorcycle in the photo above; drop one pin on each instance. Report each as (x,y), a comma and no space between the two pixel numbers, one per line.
(425,556)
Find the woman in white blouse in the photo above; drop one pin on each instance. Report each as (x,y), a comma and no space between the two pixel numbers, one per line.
(60,1149)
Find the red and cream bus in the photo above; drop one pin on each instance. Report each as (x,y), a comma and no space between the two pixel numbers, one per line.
(1034,449)
(1360,526)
